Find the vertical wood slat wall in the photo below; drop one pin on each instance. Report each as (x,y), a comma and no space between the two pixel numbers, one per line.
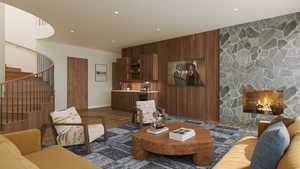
(191,102)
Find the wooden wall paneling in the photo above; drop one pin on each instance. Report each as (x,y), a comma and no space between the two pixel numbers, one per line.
(187,46)
(192,102)
(148,52)
(149,48)
(137,51)
(154,67)
(77,83)
(198,94)
(149,67)
(174,49)
(123,64)
(127,52)
(199,45)
(212,69)
(147,58)
(162,51)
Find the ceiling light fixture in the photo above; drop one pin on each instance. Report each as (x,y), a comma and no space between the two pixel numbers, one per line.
(116,12)
(157,29)
(235,9)
(72,31)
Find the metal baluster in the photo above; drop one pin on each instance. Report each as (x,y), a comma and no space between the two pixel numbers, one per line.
(17,83)
(1,108)
(12,102)
(22,92)
(35,94)
(26,93)
(30,95)
(7,93)
(40,101)
(34,97)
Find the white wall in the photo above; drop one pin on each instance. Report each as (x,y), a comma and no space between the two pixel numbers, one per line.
(20,58)
(99,92)
(2,48)
(20,28)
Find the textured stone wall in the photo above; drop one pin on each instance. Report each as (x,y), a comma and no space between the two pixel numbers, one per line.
(263,55)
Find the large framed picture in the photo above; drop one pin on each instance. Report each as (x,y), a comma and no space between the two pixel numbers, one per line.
(100,72)
(186,73)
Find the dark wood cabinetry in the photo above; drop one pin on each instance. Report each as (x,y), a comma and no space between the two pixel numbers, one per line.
(127,100)
(123,68)
(124,100)
(138,67)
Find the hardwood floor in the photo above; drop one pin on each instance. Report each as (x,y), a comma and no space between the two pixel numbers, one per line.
(114,118)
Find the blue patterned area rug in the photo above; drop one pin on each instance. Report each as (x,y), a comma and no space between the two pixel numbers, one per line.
(116,152)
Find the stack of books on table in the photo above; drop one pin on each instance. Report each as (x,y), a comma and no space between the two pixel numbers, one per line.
(182,134)
(157,131)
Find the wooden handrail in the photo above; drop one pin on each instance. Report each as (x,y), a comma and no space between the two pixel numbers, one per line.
(28,49)
(27,76)
(32,75)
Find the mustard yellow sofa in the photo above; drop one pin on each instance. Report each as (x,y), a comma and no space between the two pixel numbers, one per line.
(26,146)
(239,156)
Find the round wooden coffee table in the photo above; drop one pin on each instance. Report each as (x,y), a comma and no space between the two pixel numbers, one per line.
(200,146)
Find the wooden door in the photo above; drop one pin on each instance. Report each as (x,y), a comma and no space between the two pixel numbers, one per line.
(78,83)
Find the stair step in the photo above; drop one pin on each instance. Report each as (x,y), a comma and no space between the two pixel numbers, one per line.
(27,83)
(13,125)
(16,75)
(14,116)
(12,69)
(12,122)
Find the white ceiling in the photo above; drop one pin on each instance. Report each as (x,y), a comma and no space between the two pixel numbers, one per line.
(96,26)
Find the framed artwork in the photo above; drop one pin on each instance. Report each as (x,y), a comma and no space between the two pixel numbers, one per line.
(100,72)
(186,73)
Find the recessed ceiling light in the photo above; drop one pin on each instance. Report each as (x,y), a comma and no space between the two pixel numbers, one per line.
(157,29)
(72,31)
(116,12)
(235,9)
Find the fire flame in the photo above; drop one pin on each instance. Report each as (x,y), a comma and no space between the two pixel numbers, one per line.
(264,105)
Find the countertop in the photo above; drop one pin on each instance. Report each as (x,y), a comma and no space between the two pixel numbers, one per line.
(135,91)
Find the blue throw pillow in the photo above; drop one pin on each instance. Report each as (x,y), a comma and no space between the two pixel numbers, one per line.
(270,147)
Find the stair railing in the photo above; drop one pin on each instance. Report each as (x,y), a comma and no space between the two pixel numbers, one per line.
(31,95)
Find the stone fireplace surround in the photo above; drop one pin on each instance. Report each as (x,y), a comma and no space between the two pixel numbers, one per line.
(262,55)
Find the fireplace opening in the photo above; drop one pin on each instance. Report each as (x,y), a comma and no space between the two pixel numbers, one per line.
(263,102)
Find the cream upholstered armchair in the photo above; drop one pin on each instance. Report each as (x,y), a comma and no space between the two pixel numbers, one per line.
(145,112)
(69,129)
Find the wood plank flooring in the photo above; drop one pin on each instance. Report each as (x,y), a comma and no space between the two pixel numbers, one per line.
(117,118)
(114,118)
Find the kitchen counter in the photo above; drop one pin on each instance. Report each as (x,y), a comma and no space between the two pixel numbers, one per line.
(135,91)
(126,99)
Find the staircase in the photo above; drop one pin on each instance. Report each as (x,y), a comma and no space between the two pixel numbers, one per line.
(27,98)
(14,73)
